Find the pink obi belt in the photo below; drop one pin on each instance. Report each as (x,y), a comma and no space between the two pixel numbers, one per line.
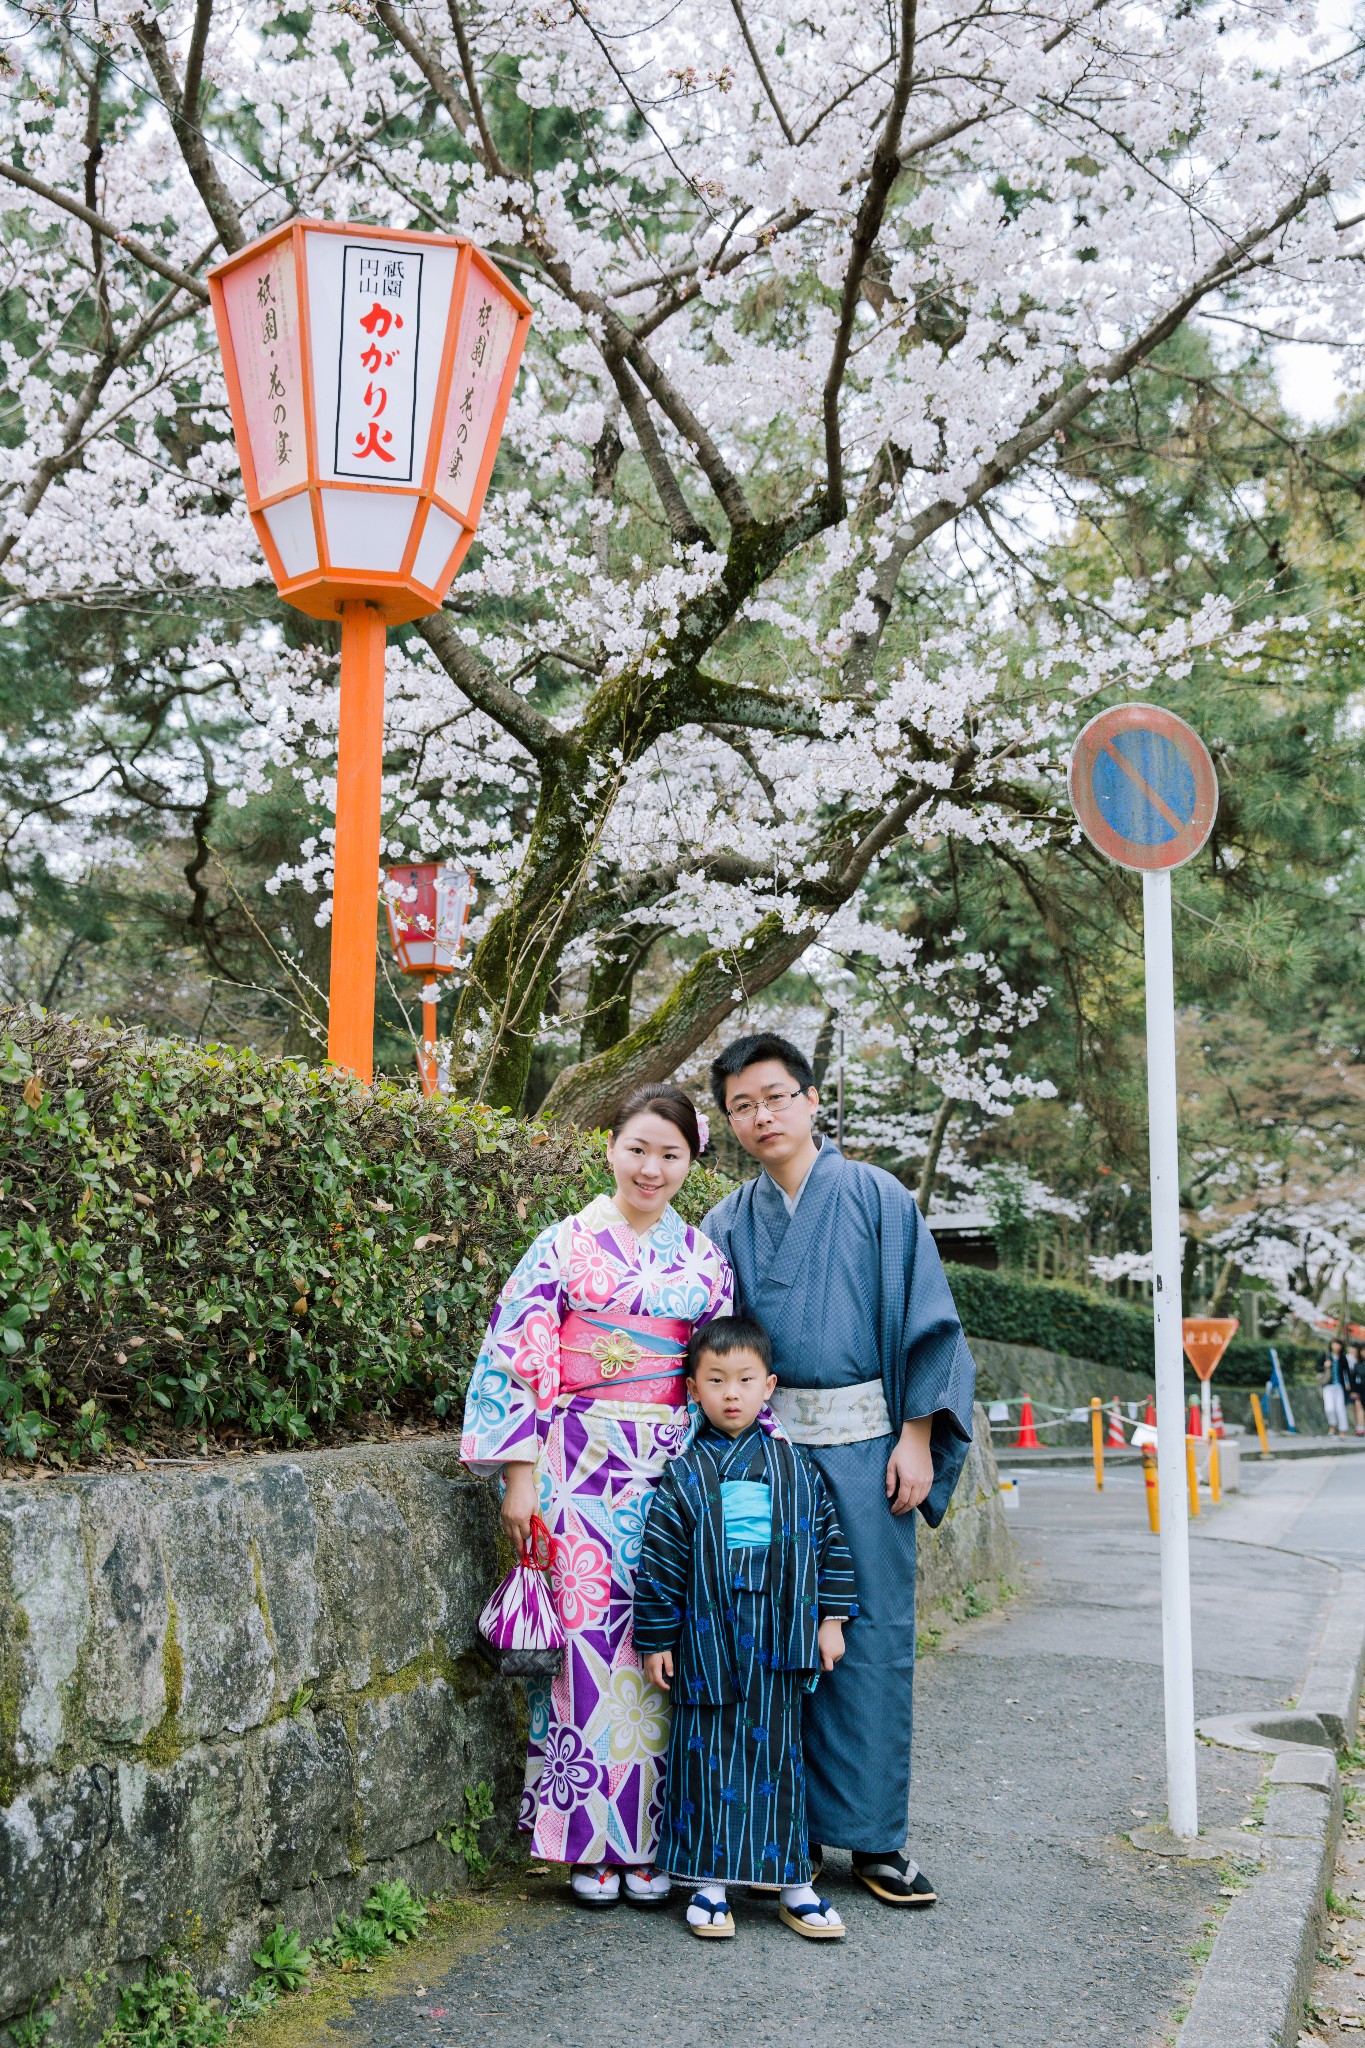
(623,1358)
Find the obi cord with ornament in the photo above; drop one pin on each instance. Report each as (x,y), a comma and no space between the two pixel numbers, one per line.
(581,1375)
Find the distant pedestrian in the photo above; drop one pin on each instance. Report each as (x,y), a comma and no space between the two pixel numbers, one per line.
(1354,1386)
(1332,1379)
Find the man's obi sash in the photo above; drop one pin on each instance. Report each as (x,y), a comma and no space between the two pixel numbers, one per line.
(833,1415)
(617,1357)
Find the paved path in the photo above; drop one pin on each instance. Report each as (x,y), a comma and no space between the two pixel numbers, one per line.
(1037,1747)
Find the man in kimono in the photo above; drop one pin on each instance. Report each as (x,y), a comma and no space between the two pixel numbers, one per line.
(876,1380)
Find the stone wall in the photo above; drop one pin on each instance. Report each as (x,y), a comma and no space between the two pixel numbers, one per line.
(243,1692)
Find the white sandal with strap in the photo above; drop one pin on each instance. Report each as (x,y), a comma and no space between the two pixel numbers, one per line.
(595,1885)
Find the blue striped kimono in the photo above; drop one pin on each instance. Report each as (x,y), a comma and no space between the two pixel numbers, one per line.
(738,1596)
(850,1289)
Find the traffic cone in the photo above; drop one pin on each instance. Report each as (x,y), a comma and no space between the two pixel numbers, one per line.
(1218,1428)
(1149,1413)
(1196,1427)
(1114,1438)
(1027,1439)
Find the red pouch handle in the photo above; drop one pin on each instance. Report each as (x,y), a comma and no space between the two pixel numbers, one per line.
(538,1555)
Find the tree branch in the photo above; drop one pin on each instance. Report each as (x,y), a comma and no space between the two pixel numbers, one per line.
(1053,415)
(139,251)
(885,168)
(184,112)
(686,529)
(763,78)
(486,691)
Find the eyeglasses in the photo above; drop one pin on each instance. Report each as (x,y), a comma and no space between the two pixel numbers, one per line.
(775,1101)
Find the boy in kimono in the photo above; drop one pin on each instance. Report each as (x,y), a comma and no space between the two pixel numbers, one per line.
(743,1589)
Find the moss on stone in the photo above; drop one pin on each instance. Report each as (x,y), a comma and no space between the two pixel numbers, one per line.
(163,1745)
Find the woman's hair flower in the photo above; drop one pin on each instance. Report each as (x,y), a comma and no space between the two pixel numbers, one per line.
(703,1129)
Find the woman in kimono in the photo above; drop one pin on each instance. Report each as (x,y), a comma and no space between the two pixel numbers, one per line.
(577,1401)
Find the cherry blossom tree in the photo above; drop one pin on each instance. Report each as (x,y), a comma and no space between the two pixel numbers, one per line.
(819,300)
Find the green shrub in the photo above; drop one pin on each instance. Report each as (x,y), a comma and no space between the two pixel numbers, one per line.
(1059,1317)
(228,1243)
(165,2011)
(282,1959)
(394,1910)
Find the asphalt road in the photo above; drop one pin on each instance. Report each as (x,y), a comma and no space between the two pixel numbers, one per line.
(1037,1746)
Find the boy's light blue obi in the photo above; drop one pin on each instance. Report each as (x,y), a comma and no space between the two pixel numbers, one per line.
(747,1506)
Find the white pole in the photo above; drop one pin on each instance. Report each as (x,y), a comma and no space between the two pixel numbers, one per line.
(1182,1799)
(1206,1406)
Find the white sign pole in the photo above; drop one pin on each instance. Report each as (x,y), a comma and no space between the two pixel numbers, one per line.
(1182,1799)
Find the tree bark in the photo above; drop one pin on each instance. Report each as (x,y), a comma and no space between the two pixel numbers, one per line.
(938,1132)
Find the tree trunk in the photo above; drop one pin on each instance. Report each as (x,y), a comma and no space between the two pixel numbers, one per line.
(1228,1277)
(611,984)
(937,1133)
(712,989)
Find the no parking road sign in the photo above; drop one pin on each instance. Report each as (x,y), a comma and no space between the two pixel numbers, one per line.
(1143,787)
(1146,795)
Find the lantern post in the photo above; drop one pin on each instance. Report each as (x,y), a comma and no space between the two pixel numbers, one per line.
(369,372)
(428,904)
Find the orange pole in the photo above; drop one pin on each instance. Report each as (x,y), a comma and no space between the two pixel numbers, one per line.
(1153,1502)
(1215,1472)
(1097,1440)
(1192,1474)
(1259,1420)
(427,1057)
(355,890)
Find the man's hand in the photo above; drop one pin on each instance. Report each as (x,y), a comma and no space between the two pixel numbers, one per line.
(831,1641)
(518,1504)
(659,1669)
(910,1468)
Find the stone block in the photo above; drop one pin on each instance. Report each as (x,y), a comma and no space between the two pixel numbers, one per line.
(307,1799)
(124,1693)
(54,1844)
(227,1664)
(375,1613)
(42,1564)
(187,1847)
(283,1527)
(407,1776)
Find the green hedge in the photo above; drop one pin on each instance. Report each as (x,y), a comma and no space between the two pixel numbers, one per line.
(206,1241)
(1058,1317)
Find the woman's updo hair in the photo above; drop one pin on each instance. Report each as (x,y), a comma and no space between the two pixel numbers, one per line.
(662,1099)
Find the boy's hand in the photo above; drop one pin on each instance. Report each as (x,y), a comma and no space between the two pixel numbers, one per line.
(659,1669)
(831,1641)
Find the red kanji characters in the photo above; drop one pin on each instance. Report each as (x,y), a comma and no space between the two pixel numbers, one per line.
(370,445)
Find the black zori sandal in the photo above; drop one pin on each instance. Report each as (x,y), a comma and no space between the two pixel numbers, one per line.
(894,1880)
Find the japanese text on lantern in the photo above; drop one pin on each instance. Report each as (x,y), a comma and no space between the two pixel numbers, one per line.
(487,325)
(377,372)
(263,311)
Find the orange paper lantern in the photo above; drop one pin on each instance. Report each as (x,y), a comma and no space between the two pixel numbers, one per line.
(369,373)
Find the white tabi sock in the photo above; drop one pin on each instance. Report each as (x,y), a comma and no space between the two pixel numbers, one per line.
(714,1894)
(794,1896)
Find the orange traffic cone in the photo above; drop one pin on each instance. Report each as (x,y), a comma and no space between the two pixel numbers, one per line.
(1027,1439)
(1218,1428)
(1196,1427)
(1114,1437)
(1149,1417)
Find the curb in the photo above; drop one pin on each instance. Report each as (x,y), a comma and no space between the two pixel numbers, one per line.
(1252,1989)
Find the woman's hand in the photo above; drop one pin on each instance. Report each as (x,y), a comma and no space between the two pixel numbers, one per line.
(518,1504)
(659,1669)
(831,1641)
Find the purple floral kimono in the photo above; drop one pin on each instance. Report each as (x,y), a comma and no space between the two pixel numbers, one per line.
(599,1732)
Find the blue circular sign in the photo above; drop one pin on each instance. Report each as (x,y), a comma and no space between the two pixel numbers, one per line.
(1143,786)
